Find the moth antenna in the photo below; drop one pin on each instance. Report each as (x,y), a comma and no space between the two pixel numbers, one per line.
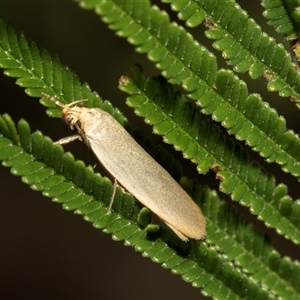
(77,101)
(56,102)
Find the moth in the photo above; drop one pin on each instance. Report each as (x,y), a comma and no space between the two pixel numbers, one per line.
(134,169)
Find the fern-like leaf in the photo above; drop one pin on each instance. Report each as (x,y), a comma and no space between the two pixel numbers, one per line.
(283,16)
(36,159)
(38,72)
(244,45)
(234,262)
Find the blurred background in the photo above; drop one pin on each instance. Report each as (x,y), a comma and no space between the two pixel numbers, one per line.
(48,253)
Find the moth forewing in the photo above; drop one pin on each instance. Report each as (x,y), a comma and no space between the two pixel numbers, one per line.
(136,170)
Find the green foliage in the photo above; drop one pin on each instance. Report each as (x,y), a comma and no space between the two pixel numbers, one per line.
(46,168)
(244,44)
(38,72)
(284,16)
(234,261)
(218,93)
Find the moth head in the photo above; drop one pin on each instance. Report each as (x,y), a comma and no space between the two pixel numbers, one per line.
(71,115)
(70,112)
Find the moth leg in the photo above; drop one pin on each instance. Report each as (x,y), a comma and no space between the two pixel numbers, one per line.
(68,139)
(112,198)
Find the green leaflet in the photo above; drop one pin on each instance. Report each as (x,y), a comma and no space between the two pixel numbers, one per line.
(243,43)
(200,141)
(283,16)
(206,265)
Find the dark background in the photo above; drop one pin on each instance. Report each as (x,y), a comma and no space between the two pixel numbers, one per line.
(49,253)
